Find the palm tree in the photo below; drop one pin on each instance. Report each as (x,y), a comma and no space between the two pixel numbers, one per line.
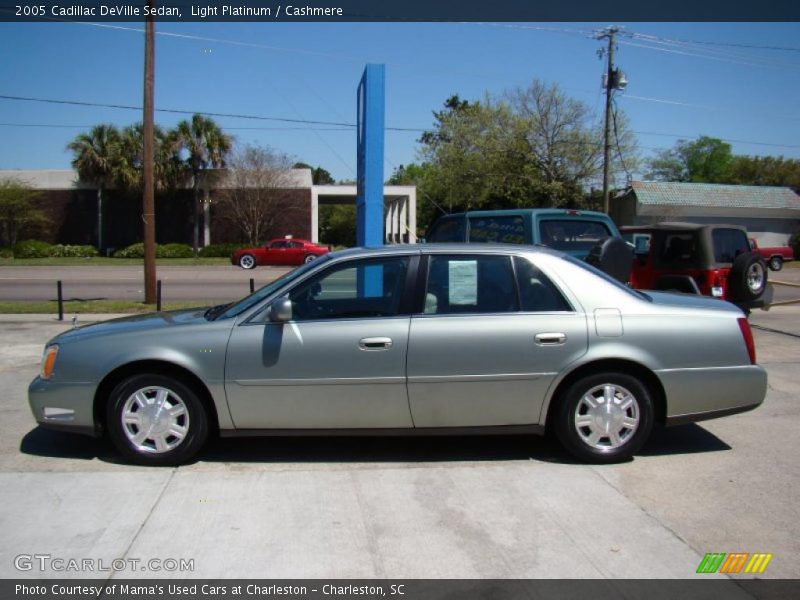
(94,158)
(205,147)
(167,167)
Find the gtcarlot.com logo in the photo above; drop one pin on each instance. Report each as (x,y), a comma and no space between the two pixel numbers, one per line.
(48,562)
(734,562)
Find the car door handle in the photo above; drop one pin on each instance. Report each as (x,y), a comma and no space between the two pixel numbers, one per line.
(550,339)
(375,343)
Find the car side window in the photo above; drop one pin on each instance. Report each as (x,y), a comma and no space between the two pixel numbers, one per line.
(536,292)
(728,244)
(278,245)
(355,289)
(505,230)
(470,284)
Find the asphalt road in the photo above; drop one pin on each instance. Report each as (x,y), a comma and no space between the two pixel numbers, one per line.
(210,282)
(491,507)
(213,283)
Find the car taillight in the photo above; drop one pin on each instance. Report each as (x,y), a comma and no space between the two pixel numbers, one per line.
(747,334)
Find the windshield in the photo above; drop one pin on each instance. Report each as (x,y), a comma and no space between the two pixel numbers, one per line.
(261,293)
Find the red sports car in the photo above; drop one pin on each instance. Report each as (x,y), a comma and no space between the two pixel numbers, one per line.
(286,251)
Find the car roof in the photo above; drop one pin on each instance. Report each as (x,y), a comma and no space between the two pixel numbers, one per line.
(445,248)
(559,212)
(679,225)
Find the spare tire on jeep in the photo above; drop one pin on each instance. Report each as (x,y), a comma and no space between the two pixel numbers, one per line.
(747,279)
(614,257)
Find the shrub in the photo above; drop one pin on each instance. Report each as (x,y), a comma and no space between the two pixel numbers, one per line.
(132,251)
(220,250)
(32,249)
(60,250)
(174,251)
(6,252)
(162,251)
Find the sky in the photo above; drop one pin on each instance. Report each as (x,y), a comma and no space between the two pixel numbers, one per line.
(723,84)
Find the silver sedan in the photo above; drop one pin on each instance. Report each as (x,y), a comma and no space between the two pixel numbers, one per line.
(408,340)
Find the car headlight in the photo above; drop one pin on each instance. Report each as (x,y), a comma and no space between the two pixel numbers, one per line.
(48,361)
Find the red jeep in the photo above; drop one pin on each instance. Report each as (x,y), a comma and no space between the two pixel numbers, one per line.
(713,260)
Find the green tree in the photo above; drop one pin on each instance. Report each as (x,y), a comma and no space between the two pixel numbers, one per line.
(529,147)
(704,160)
(168,169)
(18,212)
(204,146)
(319,176)
(94,158)
(765,170)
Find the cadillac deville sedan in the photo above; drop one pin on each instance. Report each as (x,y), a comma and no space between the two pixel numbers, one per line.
(408,340)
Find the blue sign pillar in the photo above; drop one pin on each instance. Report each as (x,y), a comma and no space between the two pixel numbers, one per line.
(369,203)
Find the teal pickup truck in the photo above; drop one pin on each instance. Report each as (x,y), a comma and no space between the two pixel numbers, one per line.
(575,232)
(586,235)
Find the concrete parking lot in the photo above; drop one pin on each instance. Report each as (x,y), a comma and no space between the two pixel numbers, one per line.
(492,507)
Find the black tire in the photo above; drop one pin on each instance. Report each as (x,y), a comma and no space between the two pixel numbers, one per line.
(574,438)
(747,279)
(196,421)
(776,263)
(309,258)
(247,261)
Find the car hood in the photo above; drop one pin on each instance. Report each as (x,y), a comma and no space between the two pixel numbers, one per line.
(145,322)
(690,301)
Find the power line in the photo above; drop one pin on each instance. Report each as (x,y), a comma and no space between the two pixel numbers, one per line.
(192,112)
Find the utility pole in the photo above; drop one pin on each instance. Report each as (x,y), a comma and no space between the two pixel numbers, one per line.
(148,200)
(610,33)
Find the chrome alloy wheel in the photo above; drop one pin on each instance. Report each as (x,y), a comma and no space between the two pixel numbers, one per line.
(247,261)
(155,420)
(606,417)
(755,277)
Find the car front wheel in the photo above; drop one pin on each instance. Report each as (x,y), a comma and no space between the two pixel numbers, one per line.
(776,263)
(309,258)
(605,418)
(156,420)
(247,261)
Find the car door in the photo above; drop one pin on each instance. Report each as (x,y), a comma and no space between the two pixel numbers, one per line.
(276,253)
(295,252)
(493,334)
(340,362)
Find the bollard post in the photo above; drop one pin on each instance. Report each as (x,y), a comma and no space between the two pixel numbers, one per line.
(158,295)
(60,301)
(252,285)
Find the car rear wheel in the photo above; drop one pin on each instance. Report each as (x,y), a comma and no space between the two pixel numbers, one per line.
(776,263)
(605,418)
(156,420)
(247,261)
(309,258)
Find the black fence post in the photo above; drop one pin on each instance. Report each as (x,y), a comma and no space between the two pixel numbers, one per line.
(60,301)
(252,285)
(158,295)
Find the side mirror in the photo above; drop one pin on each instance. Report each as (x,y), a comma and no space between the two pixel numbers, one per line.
(281,310)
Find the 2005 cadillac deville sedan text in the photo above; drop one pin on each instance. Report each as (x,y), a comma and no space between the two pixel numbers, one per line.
(408,339)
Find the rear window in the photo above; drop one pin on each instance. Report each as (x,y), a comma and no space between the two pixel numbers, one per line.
(447,230)
(728,244)
(572,235)
(679,249)
(501,230)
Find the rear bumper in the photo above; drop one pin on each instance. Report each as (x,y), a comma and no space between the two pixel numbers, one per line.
(708,393)
(63,406)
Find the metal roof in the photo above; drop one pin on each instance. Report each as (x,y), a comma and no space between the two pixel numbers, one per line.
(714,195)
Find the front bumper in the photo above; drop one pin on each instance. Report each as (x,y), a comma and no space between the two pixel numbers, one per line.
(700,394)
(63,406)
